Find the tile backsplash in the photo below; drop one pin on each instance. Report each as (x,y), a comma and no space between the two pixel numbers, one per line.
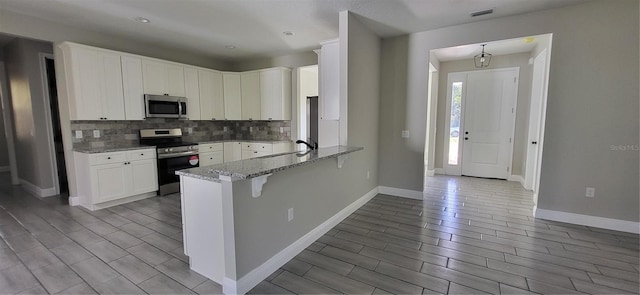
(117,133)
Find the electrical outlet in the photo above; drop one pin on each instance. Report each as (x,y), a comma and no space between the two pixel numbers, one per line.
(590,193)
(190,130)
(96,133)
(281,129)
(368,174)
(405,133)
(78,133)
(290,214)
(250,129)
(225,128)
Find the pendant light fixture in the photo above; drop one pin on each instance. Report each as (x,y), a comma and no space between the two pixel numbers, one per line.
(483,59)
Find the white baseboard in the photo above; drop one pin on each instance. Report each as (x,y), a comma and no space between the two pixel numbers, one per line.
(430,173)
(516,178)
(439,171)
(5,168)
(36,191)
(250,280)
(74,201)
(400,192)
(587,220)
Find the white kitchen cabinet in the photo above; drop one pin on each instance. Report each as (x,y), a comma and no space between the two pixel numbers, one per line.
(211,95)
(211,153)
(94,83)
(232,96)
(250,93)
(232,151)
(256,149)
(192,93)
(329,73)
(109,179)
(163,78)
(132,88)
(275,94)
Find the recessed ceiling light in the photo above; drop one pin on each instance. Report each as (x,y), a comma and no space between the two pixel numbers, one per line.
(141,19)
(287,33)
(230,47)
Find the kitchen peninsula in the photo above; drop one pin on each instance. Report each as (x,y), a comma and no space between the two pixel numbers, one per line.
(239,223)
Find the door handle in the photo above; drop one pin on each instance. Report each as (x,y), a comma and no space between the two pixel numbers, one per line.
(534,142)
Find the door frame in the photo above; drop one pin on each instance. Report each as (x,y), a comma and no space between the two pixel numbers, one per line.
(42,56)
(457,169)
(8,125)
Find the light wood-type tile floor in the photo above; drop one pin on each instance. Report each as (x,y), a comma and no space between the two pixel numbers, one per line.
(468,236)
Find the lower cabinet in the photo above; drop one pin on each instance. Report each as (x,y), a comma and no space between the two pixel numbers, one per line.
(211,153)
(232,151)
(104,178)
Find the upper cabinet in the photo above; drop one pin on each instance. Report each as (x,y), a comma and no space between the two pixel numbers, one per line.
(232,96)
(192,93)
(275,94)
(250,92)
(329,73)
(163,78)
(211,95)
(94,83)
(132,86)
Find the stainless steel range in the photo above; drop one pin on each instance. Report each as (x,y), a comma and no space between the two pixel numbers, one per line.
(173,154)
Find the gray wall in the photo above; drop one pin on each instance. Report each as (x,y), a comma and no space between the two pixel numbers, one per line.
(301,59)
(27,26)
(4,153)
(520,60)
(592,103)
(319,190)
(27,100)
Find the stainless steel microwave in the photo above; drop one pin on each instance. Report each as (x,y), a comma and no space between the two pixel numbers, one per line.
(164,106)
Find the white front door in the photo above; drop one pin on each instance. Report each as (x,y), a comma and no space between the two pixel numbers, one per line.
(488,107)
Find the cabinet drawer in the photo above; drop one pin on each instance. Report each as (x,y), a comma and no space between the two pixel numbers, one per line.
(141,154)
(210,147)
(258,147)
(211,158)
(107,158)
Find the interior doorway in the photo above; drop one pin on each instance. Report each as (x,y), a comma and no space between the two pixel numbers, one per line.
(480,122)
(307,123)
(59,169)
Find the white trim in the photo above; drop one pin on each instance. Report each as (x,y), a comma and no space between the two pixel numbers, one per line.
(36,191)
(400,192)
(439,171)
(250,280)
(42,56)
(5,168)
(74,201)
(8,124)
(516,178)
(430,173)
(588,220)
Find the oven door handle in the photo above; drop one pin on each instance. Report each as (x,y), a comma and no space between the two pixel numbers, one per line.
(174,155)
(179,109)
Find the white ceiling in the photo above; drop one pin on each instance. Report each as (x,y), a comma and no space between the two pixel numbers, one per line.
(255,27)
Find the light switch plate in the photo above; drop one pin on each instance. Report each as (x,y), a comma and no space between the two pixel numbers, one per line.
(250,129)
(281,129)
(190,130)
(96,133)
(226,129)
(78,133)
(405,133)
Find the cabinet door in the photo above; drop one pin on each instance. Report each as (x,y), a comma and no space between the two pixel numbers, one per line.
(109,182)
(85,103)
(133,89)
(112,95)
(192,91)
(232,151)
(211,95)
(175,80)
(275,94)
(144,177)
(154,77)
(248,154)
(232,96)
(329,72)
(250,85)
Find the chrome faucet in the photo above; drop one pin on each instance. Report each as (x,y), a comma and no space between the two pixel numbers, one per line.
(312,147)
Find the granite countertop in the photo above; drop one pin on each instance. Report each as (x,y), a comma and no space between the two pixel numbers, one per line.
(255,167)
(246,140)
(107,149)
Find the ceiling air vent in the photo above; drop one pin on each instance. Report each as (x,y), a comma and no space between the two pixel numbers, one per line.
(481,12)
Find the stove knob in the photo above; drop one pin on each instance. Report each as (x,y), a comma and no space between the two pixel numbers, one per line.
(190,148)
(171,150)
(166,150)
